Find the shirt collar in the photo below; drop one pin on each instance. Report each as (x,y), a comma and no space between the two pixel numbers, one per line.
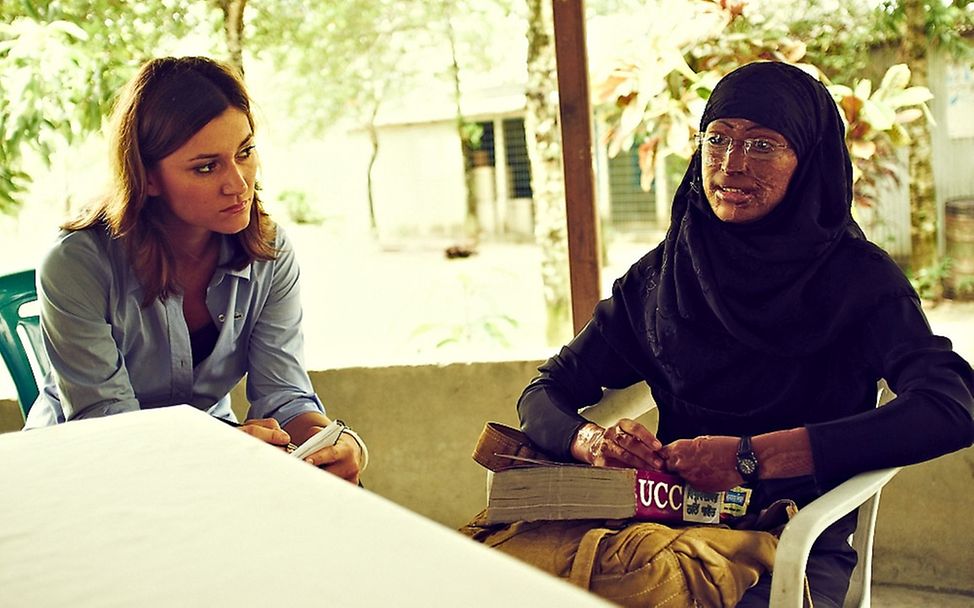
(226,254)
(222,269)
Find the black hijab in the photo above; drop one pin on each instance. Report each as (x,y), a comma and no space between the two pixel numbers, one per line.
(784,285)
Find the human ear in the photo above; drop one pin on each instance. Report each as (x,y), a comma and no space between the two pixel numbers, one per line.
(153,186)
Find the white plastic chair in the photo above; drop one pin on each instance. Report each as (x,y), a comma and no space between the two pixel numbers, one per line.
(788,578)
(863,490)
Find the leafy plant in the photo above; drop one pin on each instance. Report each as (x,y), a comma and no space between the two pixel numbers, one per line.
(472,134)
(480,323)
(964,289)
(61,64)
(650,98)
(928,281)
(298,208)
(655,100)
(32,114)
(874,127)
(655,97)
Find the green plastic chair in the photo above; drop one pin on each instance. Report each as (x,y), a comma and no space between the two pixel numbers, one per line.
(20,336)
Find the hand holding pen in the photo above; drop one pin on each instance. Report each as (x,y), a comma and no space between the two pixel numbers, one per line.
(267,430)
(332,447)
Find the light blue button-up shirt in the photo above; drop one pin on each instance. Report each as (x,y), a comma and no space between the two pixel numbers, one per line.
(110,355)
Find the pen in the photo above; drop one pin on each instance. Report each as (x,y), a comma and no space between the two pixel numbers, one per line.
(289,448)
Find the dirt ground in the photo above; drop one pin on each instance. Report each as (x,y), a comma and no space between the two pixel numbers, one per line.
(369,305)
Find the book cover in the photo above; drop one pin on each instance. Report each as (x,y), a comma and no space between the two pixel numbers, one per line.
(554,491)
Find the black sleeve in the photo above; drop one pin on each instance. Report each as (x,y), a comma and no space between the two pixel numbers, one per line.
(569,381)
(932,414)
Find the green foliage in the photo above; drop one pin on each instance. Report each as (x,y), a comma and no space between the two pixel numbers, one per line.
(348,52)
(836,35)
(32,110)
(62,62)
(655,99)
(488,329)
(964,289)
(298,208)
(874,127)
(356,55)
(946,21)
(480,323)
(928,281)
(472,134)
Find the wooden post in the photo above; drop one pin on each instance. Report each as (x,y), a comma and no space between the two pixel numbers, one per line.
(576,134)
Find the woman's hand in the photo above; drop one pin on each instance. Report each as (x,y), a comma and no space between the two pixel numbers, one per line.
(343,459)
(624,444)
(267,430)
(708,463)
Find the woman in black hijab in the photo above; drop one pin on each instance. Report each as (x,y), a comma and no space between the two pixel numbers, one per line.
(762,324)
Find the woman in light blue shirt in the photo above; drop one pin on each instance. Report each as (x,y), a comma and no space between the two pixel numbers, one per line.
(177,284)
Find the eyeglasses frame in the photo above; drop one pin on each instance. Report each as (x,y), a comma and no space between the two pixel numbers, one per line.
(745,146)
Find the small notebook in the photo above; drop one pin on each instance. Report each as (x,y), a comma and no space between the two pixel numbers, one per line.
(327,436)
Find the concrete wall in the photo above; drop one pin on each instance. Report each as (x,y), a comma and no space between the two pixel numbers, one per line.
(923,533)
(421,425)
(422,422)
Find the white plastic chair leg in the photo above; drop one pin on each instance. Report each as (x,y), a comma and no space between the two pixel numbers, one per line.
(788,579)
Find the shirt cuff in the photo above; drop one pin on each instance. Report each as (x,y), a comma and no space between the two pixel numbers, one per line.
(293,409)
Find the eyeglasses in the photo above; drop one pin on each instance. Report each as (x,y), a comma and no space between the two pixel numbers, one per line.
(714,146)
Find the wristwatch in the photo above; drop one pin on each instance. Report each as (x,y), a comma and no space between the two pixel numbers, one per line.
(747,460)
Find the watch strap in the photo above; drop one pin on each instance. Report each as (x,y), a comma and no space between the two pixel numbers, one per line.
(361,445)
(747,461)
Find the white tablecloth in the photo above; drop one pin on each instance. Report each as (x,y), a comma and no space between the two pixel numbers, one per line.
(172,508)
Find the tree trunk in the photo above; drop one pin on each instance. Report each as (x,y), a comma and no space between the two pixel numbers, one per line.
(923,200)
(374,140)
(547,183)
(471,223)
(233,23)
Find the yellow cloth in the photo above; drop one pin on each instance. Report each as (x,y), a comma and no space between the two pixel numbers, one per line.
(640,564)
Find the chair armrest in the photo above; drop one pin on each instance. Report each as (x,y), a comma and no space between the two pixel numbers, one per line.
(631,402)
(788,579)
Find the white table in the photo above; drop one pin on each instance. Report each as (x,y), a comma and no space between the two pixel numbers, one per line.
(172,508)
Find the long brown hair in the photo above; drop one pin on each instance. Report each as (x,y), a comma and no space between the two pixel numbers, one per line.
(159,110)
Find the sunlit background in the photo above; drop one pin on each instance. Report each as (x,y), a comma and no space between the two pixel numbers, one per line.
(396,141)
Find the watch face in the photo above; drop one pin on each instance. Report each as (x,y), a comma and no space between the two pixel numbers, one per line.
(747,461)
(747,466)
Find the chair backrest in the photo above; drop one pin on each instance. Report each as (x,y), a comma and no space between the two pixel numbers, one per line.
(20,336)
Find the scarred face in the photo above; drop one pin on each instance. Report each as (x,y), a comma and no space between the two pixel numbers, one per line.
(208,183)
(745,185)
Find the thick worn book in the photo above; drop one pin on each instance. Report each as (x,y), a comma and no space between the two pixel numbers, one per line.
(528,486)
(552,491)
